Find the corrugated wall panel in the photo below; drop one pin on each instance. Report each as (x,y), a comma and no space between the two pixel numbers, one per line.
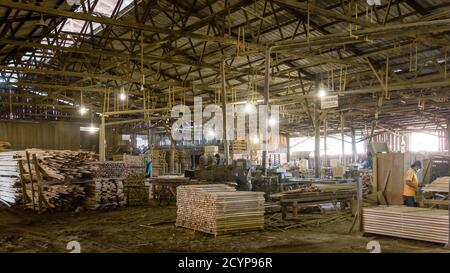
(44,135)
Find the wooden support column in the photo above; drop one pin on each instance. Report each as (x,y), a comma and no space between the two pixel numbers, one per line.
(354,154)
(226,149)
(316,141)
(288,148)
(265,152)
(172,156)
(101,140)
(343,138)
(448,136)
(325,147)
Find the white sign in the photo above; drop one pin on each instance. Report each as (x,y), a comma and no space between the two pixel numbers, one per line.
(329,102)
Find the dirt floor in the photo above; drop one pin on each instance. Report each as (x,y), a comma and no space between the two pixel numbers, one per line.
(152,229)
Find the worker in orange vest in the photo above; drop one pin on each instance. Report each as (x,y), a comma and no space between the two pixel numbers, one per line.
(411,185)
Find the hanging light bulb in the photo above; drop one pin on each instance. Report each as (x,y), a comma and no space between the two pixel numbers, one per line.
(211,133)
(272,121)
(122,95)
(255,139)
(322,92)
(92,129)
(83,110)
(248,107)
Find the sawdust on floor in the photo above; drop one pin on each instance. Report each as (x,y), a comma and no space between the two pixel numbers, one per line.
(152,229)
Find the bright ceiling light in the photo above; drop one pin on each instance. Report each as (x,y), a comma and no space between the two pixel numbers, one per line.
(92,129)
(322,92)
(248,107)
(122,96)
(211,133)
(272,121)
(83,110)
(255,139)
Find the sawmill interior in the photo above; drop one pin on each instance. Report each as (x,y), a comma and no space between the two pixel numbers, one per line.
(224,126)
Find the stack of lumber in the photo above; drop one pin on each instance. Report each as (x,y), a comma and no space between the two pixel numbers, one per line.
(108,169)
(318,193)
(10,185)
(295,192)
(239,146)
(62,197)
(63,165)
(106,189)
(159,163)
(441,184)
(219,209)
(183,158)
(134,181)
(104,193)
(407,222)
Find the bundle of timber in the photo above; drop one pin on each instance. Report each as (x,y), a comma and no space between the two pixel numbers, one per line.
(61,197)
(62,165)
(137,195)
(108,169)
(134,167)
(219,209)
(136,191)
(104,193)
(159,163)
(407,222)
(318,193)
(239,146)
(441,184)
(295,192)
(10,185)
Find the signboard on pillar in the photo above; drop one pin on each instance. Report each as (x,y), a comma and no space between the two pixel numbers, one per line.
(327,102)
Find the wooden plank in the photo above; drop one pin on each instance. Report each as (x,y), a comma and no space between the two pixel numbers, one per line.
(407,222)
(219,209)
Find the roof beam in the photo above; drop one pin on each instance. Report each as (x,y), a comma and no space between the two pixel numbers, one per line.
(113,22)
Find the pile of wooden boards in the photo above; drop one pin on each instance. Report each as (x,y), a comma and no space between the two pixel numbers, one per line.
(62,197)
(318,192)
(62,165)
(159,163)
(407,222)
(10,185)
(438,185)
(106,189)
(136,191)
(104,193)
(109,169)
(219,209)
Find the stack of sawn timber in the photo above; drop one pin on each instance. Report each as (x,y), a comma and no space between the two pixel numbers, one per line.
(61,196)
(62,165)
(219,209)
(106,189)
(318,193)
(438,185)
(10,185)
(407,222)
(134,181)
